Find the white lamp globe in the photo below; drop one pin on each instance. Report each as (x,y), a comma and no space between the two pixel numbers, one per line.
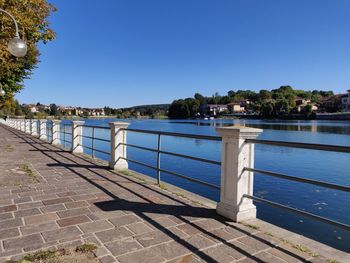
(2,92)
(17,47)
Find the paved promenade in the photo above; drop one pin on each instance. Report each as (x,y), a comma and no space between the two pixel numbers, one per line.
(50,198)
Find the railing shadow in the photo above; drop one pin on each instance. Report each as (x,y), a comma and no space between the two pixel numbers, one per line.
(141,209)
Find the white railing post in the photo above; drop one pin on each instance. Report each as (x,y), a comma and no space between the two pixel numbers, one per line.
(235,181)
(18,124)
(34,128)
(30,126)
(56,132)
(23,125)
(27,126)
(42,130)
(77,139)
(118,150)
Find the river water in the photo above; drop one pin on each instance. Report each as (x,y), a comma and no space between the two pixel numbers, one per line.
(325,166)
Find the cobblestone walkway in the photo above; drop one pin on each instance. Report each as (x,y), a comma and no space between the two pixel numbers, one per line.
(50,198)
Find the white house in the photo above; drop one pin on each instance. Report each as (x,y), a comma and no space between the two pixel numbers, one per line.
(215,109)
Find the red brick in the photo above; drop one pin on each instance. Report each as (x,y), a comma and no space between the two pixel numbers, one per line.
(73,220)
(8,208)
(57,201)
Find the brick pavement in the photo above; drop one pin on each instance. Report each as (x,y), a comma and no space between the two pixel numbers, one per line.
(70,199)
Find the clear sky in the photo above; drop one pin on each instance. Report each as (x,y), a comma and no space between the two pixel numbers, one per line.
(131,52)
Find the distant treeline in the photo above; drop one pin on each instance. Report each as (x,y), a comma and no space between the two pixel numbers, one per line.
(279,102)
(151,111)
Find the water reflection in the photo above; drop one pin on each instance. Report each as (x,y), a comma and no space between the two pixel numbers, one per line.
(308,127)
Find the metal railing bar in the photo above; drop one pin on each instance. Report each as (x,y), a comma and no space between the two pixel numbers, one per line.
(94,149)
(191,157)
(175,134)
(95,138)
(300,212)
(302,180)
(92,142)
(310,146)
(173,173)
(139,163)
(159,143)
(173,154)
(94,126)
(66,141)
(190,179)
(139,147)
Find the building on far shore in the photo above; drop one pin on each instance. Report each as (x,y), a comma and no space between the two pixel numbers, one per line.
(93,111)
(68,111)
(345,101)
(302,103)
(215,109)
(236,107)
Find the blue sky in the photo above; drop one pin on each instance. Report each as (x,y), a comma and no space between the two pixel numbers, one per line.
(131,52)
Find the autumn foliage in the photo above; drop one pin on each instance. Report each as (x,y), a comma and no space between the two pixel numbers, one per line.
(32,17)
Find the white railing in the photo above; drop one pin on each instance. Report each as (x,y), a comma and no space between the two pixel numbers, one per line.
(237,160)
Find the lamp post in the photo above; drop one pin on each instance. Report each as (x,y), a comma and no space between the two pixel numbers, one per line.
(16,45)
(2,92)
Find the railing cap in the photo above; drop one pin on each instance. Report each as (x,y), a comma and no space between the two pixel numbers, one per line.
(238,131)
(119,124)
(78,122)
(56,121)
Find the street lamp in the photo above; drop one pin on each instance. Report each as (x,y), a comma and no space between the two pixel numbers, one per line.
(16,45)
(2,92)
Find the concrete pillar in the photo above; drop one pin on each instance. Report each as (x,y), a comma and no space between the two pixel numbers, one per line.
(27,126)
(34,128)
(56,124)
(77,139)
(118,151)
(30,127)
(42,129)
(23,125)
(235,181)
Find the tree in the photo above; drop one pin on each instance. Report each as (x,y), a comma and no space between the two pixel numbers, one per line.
(216,98)
(31,16)
(267,109)
(107,110)
(179,110)
(53,110)
(200,98)
(282,107)
(265,94)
